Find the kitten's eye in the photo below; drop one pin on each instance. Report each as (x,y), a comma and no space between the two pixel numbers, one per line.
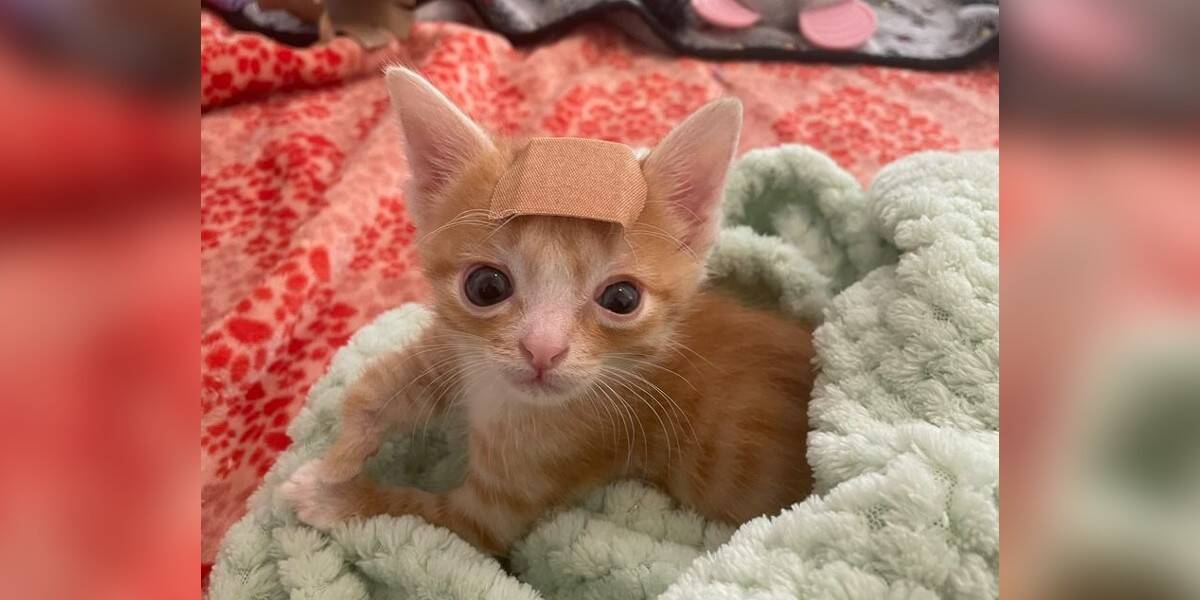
(621,297)
(486,286)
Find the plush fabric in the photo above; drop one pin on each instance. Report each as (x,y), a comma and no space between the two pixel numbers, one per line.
(904,447)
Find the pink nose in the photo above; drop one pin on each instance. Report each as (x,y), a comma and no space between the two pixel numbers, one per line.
(543,352)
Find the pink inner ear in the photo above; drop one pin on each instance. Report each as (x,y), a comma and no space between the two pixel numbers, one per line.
(439,138)
(689,167)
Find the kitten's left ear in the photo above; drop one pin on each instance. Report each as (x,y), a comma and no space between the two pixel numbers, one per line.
(439,139)
(689,166)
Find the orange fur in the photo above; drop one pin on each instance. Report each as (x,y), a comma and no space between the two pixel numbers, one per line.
(698,394)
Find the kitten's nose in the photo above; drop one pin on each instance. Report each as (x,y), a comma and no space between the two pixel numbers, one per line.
(542,351)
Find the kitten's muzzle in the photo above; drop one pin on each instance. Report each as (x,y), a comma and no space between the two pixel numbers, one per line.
(542,352)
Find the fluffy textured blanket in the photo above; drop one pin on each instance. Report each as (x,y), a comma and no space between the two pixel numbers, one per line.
(904,279)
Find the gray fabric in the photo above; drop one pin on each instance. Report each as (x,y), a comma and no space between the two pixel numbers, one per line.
(911,32)
(922,34)
(276,20)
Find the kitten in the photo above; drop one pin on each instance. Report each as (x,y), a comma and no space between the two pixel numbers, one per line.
(580,352)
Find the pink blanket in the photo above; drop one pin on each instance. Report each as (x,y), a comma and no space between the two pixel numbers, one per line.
(304,236)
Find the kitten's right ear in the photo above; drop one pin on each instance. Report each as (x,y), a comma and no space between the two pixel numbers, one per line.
(439,139)
(690,165)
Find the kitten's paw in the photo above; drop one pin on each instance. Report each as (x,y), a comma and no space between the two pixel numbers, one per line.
(316,501)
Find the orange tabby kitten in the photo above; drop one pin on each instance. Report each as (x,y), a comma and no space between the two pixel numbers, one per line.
(581,352)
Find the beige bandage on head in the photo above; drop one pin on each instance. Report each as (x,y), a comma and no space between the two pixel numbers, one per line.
(572,177)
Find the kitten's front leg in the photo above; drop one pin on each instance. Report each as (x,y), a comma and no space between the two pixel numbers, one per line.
(323,504)
(320,503)
(394,392)
(489,517)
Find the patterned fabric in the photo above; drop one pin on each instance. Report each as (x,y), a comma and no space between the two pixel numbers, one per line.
(910,33)
(304,236)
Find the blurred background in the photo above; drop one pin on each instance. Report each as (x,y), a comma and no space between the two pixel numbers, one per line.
(100,302)
(98,299)
(1100,311)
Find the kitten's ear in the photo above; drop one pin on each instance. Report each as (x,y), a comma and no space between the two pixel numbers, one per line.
(439,139)
(688,168)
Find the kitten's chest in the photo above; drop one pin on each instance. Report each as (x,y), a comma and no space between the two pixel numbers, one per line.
(507,436)
(497,420)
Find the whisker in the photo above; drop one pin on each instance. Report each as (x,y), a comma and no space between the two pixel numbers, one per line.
(637,381)
(626,424)
(676,407)
(596,405)
(470,216)
(431,404)
(638,392)
(677,345)
(449,381)
(508,431)
(632,249)
(436,364)
(637,359)
(612,418)
(663,234)
(506,221)
(632,415)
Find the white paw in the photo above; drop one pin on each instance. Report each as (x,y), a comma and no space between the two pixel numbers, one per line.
(315,501)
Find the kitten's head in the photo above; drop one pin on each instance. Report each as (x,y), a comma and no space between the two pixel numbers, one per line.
(547,307)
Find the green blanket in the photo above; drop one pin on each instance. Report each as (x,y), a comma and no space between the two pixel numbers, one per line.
(904,279)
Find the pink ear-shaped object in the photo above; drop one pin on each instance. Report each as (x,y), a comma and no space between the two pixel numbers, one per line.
(842,26)
(725,13)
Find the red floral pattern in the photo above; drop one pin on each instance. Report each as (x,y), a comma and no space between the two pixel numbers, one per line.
(637,110)
(467,67)
(304,235)
(852,125)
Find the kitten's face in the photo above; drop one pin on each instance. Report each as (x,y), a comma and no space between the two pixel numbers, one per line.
(548,308)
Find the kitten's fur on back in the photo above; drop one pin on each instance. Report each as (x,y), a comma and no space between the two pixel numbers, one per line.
(692,391)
